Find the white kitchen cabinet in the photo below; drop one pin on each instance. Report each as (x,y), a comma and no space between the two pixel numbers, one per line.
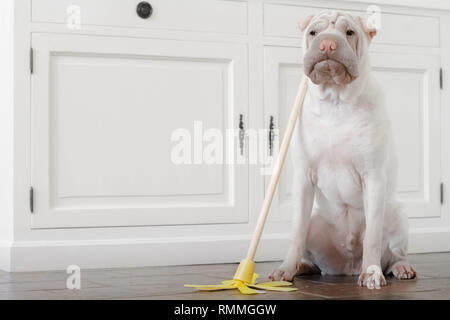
(104,111)
(412,92)
(90,129)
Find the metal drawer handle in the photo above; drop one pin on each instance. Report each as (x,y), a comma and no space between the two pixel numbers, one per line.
(241,133)
(271,136)
(144,10)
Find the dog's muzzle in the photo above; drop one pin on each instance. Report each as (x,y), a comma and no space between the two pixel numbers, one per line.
(330,59)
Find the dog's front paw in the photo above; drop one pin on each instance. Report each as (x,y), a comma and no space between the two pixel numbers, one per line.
(284,273)
(373,278)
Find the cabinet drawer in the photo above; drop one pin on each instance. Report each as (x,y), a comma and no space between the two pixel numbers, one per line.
(398,29)
(187,15)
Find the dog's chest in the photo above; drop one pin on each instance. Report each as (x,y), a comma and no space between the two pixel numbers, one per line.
(334,147)
(331,142)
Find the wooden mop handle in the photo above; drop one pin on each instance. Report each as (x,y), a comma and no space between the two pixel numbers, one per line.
(296,109)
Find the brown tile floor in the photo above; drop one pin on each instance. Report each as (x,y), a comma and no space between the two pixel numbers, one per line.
(167,283)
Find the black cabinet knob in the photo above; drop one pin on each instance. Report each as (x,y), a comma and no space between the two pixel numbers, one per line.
(144,10)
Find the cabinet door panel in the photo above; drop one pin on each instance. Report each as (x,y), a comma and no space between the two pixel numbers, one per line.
(411,88)
(282,74)
(104,112)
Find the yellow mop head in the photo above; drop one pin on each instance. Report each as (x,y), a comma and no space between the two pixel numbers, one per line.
(244,280)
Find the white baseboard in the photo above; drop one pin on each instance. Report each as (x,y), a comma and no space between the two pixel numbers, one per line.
(33,256)
(5,256)
(40,255)
(429,240)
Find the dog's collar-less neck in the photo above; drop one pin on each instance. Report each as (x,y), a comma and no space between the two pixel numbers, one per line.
(336,95)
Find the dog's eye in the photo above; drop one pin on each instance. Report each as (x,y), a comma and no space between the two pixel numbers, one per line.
(312,33)
(350,32)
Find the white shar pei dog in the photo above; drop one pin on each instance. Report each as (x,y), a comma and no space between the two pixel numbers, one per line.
(346,220)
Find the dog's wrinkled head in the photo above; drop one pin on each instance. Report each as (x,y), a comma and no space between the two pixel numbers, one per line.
(334,46)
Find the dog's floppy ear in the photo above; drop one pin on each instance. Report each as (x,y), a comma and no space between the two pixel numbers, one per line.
(369,30)
(304,23)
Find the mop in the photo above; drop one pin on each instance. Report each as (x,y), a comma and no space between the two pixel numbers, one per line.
(245,278)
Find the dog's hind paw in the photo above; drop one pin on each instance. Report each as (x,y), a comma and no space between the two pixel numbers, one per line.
(403,271)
